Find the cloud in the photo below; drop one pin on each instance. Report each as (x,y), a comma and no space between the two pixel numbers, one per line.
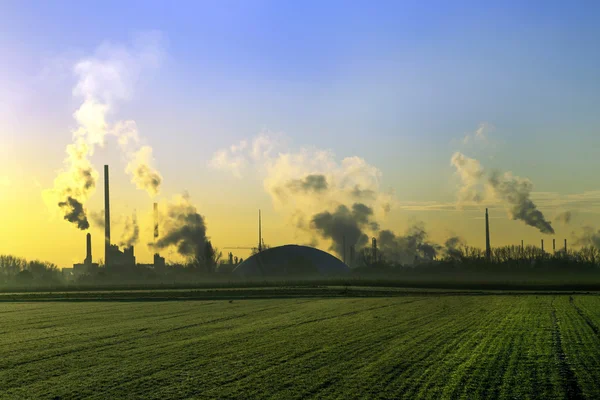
(104,80)
(344,226)
(470,172)
(310,183)
(587,237)
(515,192)
(480,135)
(74,212)
(564,217)
(142,174)
(183,228)
(97,219)
(131,232)
(246,154)
(412,247)
(512,191)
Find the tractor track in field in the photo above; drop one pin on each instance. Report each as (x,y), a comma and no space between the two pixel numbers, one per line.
(571,385)
(585,317)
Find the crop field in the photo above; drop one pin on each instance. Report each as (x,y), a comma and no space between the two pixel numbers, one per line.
(410,346)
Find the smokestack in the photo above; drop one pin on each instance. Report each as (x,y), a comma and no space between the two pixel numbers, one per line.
(155,222)
(488,250)
(259,232)
(88,254)
(542,245)
(565,246)
(522,245)
(106,218)
(554,245)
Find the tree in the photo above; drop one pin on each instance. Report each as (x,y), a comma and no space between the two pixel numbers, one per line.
(207,257)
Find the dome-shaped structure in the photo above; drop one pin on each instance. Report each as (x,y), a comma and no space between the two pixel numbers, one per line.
(291,260)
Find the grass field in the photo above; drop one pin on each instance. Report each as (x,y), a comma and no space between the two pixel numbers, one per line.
(411,346)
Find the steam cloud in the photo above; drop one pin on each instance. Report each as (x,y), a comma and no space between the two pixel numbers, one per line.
(470,172)
(143,175)
(588,237)
(564,217)
(103,81)
(97,218)
(411,248)
(317,192)
(452,247)
(74,213)
(513,191)
(335,200)
(184,228)
(344,224)
(310,183)
(131,232)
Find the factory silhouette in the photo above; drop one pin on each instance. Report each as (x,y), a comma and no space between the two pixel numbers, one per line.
(293,260)
(114,258)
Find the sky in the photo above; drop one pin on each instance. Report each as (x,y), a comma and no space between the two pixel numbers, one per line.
(237,100)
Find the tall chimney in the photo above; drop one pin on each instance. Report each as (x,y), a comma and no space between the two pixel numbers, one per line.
(542,245)
(259,232)
(565,246)
(155,222)
(522,245)
(488,249)
(106,218)
(554,245)
(88,254)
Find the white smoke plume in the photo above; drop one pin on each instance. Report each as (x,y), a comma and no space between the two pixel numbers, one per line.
(512,191)
(470,172)
(183,228)
(104,80)
(588,237)
(318,193)
(143,175)
(564,217)
(131,232)
(411,248)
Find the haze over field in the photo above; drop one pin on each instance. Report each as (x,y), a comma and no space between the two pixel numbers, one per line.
(396,121)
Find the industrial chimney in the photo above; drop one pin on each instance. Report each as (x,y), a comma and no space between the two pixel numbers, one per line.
(106,218)
(374,248)
(488,249)
(259,233)
(88,254)
(155,222)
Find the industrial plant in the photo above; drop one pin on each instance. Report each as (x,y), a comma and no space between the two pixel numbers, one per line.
(114,258)
(288,260)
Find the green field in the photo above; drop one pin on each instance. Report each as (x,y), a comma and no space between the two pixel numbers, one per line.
(410,345)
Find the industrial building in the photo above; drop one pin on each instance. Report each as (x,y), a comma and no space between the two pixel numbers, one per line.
(113,256)
(88,266)
(291,261)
